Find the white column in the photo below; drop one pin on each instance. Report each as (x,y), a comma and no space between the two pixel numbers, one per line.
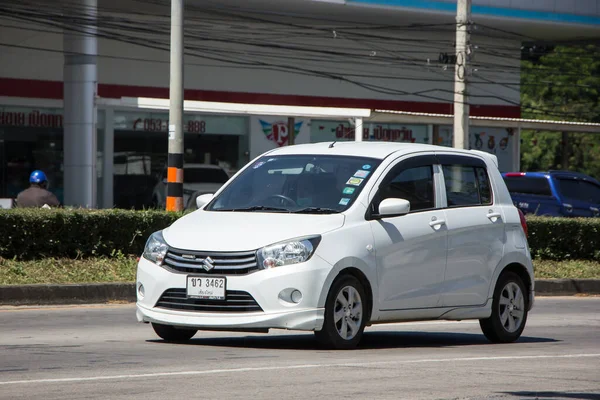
(516,164)
(358,129)
(108,158)
(80,89)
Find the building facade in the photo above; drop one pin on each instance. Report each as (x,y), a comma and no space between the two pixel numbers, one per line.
(115,152)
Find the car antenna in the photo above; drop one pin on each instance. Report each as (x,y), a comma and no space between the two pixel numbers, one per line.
(331,145)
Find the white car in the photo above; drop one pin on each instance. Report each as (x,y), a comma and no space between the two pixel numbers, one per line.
(335,237)
(198,179)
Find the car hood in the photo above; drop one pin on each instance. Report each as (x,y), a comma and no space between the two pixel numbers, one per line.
(244,231)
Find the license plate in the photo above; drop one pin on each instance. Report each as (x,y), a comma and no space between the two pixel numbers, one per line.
(203,287)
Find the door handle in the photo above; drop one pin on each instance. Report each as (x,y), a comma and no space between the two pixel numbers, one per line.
(437,222)
(494,215)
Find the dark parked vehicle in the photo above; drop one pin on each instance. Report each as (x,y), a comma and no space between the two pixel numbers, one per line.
(554,193)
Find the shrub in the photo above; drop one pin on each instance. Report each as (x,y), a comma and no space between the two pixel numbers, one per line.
(564,238)
(39,233)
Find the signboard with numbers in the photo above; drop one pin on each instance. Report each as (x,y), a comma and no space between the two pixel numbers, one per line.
(192,123)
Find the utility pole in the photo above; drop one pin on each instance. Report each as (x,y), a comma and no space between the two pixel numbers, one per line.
(461,108)
(175,157)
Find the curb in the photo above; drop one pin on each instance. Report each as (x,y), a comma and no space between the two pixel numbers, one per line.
(107,292)
(66,294)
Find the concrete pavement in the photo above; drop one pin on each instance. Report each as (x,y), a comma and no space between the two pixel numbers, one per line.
(100,352)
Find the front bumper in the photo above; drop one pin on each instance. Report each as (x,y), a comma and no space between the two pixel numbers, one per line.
(265,286)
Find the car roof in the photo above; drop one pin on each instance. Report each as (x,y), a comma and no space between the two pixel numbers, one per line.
(379,150)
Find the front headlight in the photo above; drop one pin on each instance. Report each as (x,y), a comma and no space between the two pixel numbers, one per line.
(156,248)
(288,252)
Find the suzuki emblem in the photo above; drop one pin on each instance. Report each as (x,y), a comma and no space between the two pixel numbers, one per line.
(208,263)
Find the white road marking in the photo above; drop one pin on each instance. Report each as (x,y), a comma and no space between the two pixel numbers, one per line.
(292,367)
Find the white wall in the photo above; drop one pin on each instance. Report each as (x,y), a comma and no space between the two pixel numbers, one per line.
(127,64)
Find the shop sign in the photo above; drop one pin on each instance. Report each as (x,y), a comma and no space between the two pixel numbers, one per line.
(27,117)
(322,131)
(277,131)
(198,124)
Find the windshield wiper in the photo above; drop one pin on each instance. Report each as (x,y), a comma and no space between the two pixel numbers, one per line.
(316,210)
(256,208)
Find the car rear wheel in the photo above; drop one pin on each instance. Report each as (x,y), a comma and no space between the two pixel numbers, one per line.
(345,311)
(172,334)
(509,310)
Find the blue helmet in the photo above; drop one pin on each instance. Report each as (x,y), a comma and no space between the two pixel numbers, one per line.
(37,176)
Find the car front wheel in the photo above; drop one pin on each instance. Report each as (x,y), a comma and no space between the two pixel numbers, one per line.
(509,310)
(172,334)
(345,311)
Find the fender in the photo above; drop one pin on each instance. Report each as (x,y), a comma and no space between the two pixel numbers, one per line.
(515,257)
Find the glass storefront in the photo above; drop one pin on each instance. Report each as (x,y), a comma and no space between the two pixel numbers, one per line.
(33,139)
(30,139)
(141,149)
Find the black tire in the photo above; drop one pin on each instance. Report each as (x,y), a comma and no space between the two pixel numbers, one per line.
(498,327)
(172,334)
(330,335)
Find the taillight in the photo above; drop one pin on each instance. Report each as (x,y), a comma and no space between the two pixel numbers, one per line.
(523,222)
(513,174)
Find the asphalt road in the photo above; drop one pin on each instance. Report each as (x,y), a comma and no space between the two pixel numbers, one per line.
(100,352)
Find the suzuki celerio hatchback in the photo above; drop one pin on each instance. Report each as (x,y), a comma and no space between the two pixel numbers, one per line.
(333,237)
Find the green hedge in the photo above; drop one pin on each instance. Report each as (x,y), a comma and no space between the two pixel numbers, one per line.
(38,233)
(564,238)
(35,233)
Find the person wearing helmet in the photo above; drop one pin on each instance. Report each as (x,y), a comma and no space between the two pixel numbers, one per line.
(37,195)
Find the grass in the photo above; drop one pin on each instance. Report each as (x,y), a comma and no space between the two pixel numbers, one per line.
(50,270)
(573,269)
(122,269)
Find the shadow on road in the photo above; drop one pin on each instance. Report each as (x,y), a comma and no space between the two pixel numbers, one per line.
(371,340)
(555,395)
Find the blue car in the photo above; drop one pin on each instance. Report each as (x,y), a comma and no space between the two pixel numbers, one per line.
(554,193)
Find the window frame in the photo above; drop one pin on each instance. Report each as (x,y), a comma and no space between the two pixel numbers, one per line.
(465,161)
(425,160)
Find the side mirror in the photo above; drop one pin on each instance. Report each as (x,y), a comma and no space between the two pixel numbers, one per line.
(203,199)
(393,207)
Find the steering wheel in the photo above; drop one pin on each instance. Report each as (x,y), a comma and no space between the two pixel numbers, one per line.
(282,198)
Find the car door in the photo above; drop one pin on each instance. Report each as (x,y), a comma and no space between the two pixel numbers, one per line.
(580,197)
(410,249)
(475,226)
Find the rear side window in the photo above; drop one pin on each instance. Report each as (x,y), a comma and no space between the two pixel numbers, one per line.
(467,186)
(528,185)
(580,190)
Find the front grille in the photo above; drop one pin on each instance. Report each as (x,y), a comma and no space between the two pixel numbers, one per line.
(235,302)
(224,263)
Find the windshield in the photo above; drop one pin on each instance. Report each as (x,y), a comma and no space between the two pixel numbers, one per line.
(299,183)
(204,175)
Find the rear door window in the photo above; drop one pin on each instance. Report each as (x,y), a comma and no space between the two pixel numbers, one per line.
(575,189)
(528,185)
(461,185)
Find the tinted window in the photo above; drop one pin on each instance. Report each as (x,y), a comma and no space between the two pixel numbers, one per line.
(412,184)
(483,183)
(579,190)
(528,185)
(204,175)
(461,185)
